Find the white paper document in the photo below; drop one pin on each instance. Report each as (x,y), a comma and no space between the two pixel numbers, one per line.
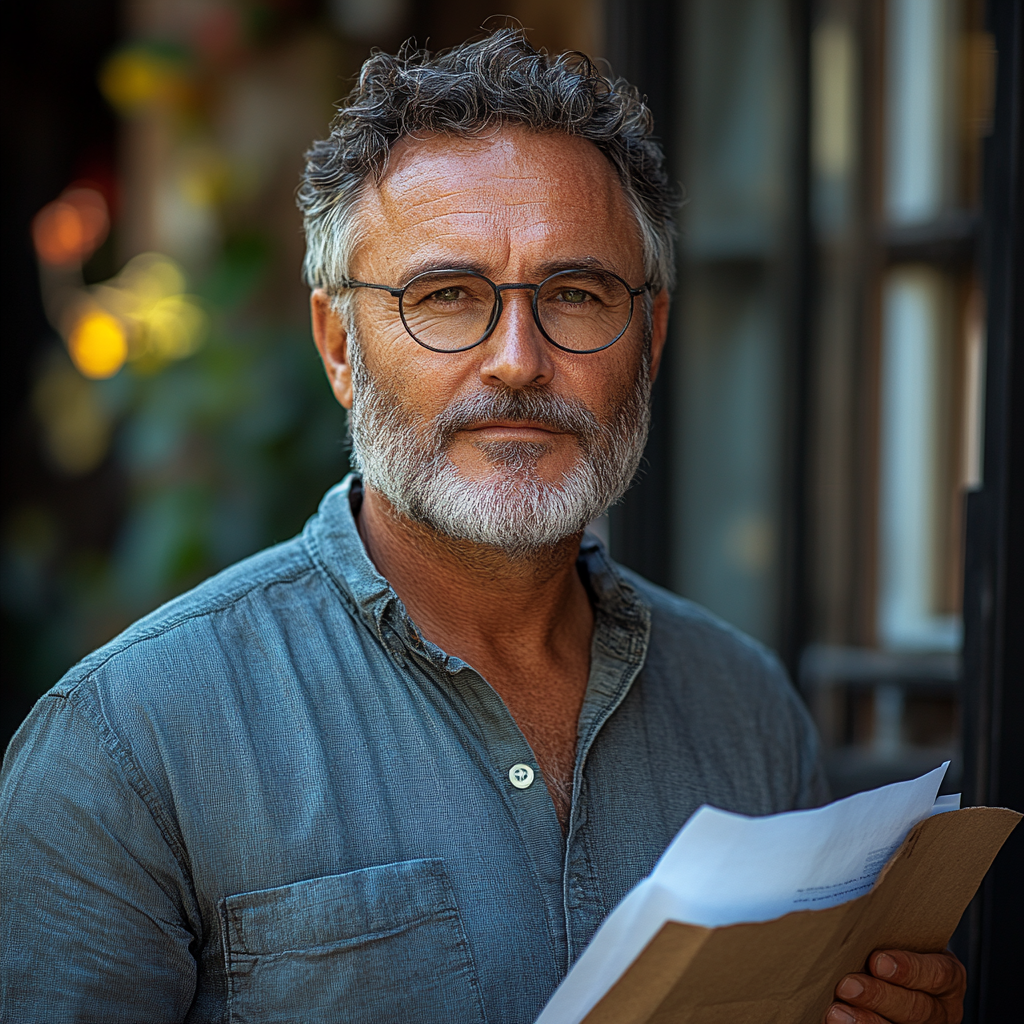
(725,868)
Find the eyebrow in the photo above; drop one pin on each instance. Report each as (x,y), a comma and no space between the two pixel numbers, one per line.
(543,270)
(577,263)
(435,263)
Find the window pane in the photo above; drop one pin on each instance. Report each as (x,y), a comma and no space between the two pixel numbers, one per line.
(915,445)
(737,100)
(919,178)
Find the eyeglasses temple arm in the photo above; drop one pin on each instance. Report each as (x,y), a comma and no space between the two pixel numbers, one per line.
(396,292)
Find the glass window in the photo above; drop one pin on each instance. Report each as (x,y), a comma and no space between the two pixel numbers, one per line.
(915,546)
(898,100)
(737,123)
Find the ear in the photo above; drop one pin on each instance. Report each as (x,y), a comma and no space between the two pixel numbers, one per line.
(659,330)
(331,340)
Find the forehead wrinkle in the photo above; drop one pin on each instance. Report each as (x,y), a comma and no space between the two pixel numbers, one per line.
(429,183)
(534,216)
(462,168)
(490,209)
(454,201)
(452,242)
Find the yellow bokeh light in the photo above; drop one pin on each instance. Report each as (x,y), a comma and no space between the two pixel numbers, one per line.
(148,278)
(174,327)
(138,78)
(76,425)
(98,345)
(141,316)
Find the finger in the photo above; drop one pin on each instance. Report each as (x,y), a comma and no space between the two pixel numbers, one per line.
(840,1013)
(939,974)
(892,1003)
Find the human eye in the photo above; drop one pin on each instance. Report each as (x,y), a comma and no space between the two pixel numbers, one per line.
(581,291)
(444,293)
(574,296)
(446,296)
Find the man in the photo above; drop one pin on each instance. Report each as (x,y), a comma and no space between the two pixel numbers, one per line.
(401,767)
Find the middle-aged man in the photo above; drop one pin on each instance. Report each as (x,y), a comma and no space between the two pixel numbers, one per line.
(402,766)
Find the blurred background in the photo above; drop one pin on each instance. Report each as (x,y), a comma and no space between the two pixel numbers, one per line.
(839,374)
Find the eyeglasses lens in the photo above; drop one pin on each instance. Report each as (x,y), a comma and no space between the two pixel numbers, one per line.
(583,310)
(580,310)
(448,312)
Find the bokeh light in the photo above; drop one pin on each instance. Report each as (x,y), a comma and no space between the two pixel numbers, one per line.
(76,425)
(98,344)
(174,326)
(159,322)
(225,435)
(141,316)
(71,228)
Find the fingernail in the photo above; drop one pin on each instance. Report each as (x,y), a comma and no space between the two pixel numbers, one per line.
(885,966)
(849,988)
(837,1015)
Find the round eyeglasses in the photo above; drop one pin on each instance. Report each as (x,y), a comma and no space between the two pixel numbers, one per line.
(455,310)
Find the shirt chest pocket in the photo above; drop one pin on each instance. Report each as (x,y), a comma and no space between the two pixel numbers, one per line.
(372,946)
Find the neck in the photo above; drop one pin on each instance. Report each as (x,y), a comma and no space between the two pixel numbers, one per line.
(472,600)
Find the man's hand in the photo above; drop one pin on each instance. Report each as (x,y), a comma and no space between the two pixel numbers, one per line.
(902,988)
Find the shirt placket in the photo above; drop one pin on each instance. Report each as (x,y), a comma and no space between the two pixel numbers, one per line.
(621,635)
(564,874)
(515,774)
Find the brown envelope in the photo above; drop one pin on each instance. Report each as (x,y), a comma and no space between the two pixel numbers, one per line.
(785,971)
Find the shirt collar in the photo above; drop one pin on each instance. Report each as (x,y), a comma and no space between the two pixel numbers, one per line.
(621,617)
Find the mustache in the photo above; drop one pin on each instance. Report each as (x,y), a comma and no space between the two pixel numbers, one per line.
(517,405)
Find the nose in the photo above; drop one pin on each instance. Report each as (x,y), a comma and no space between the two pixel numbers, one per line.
(516,354)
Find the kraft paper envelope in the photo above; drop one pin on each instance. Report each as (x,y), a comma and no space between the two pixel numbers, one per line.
(784,971)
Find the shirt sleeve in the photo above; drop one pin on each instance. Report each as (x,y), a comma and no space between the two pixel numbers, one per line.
(813,786)
(97,918)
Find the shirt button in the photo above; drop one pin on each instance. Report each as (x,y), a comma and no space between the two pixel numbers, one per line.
(521,776)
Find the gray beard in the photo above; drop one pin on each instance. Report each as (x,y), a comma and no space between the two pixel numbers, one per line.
(405,458)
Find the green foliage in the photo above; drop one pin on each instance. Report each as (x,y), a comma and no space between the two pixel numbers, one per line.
(223,453)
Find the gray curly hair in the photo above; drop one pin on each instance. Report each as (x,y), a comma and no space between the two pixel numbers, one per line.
(498,80)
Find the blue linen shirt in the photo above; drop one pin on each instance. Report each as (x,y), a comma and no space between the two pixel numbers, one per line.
(274,800)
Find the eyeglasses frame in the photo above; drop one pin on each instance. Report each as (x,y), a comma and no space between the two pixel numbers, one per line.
(499,306)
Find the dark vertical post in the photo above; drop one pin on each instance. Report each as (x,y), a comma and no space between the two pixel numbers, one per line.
(641,46)
(994,580)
